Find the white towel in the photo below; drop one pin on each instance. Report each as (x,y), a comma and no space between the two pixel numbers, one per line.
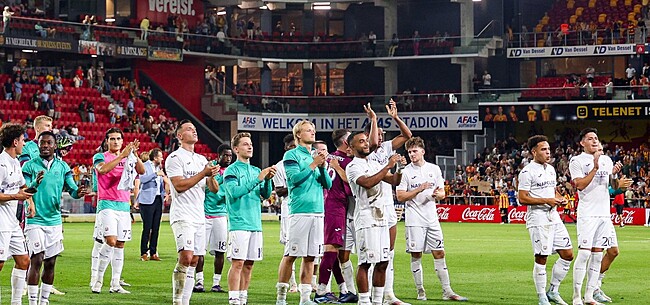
(127,181)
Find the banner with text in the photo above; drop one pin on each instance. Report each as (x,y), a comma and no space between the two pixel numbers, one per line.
(39,44)
(166,54)
(491,214)
(570,110)
(159,11)
(131,51)
(422,121)
(599,50)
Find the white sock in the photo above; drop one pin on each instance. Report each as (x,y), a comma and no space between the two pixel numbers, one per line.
(600,280)
(539,278)
(117,264)
(45,292)
(216,279)
(105,256)
(233,297)
(189,285)
(178,282)
(364,297)
(94,261)
(416,269)
(292,279)
(559,272)
(579,271)
(348,276)
(17,285)
(443,275)
(314,280)
(199,277)
(378,295)
(592,274)
(281,289)
(243,297)
(32,294)
(390,275)
(305,292)
(343,288)
(322,289)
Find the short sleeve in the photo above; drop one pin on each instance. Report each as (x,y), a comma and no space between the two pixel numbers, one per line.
(98,158)
(279,180)
(174,166)
(524,180)
(440,180)
(354,171)
(575,169)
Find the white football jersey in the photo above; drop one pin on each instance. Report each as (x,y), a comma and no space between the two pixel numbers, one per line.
(370,203)
(381,156)
(540,181)
(421,210)
(11,180)
(188,205)
(594,199)
(280,180)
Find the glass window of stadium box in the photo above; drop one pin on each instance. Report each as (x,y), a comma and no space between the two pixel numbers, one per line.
(286,81)
(577,65)
(247,77)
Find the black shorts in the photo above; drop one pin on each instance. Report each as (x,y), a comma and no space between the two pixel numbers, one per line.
(619,209)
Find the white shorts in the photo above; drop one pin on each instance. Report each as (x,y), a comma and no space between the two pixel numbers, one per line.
(189,236)
(373,245)
(48,239)
(391,215)
(424,239)
(306,236)
(596,232)
(216,233)
(284,228)
(350,235)
(245,245)
(12,243)
(116,223)
(547,239)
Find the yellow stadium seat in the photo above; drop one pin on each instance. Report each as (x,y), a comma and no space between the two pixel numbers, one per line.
(602,18)
(573,19)
(645,2)
(579,11)
(570,4)
(540,43)
(631,16)
(628,2)
(612,3)
(539,28)
(592,3)
(637,8)
(600,40)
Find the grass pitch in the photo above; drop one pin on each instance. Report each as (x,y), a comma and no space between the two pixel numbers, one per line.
(488,263)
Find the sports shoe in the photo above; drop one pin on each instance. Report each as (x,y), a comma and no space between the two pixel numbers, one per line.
(422,294)
(453,297)
(293,288)
(592,302)
(97,287)
(544,301)
(329,298)
(217,288)
(124,284)
(600,296)
(348,298)
(198,287)
(119,290)
(555,298)
(56,291)
(308,302)
(393,300)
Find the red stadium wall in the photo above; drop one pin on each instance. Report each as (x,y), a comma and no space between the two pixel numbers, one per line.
(183,81)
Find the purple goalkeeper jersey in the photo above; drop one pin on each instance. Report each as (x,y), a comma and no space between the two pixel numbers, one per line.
(336,201)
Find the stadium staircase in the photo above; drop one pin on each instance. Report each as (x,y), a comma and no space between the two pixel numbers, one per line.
(467,154)
(94,133)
